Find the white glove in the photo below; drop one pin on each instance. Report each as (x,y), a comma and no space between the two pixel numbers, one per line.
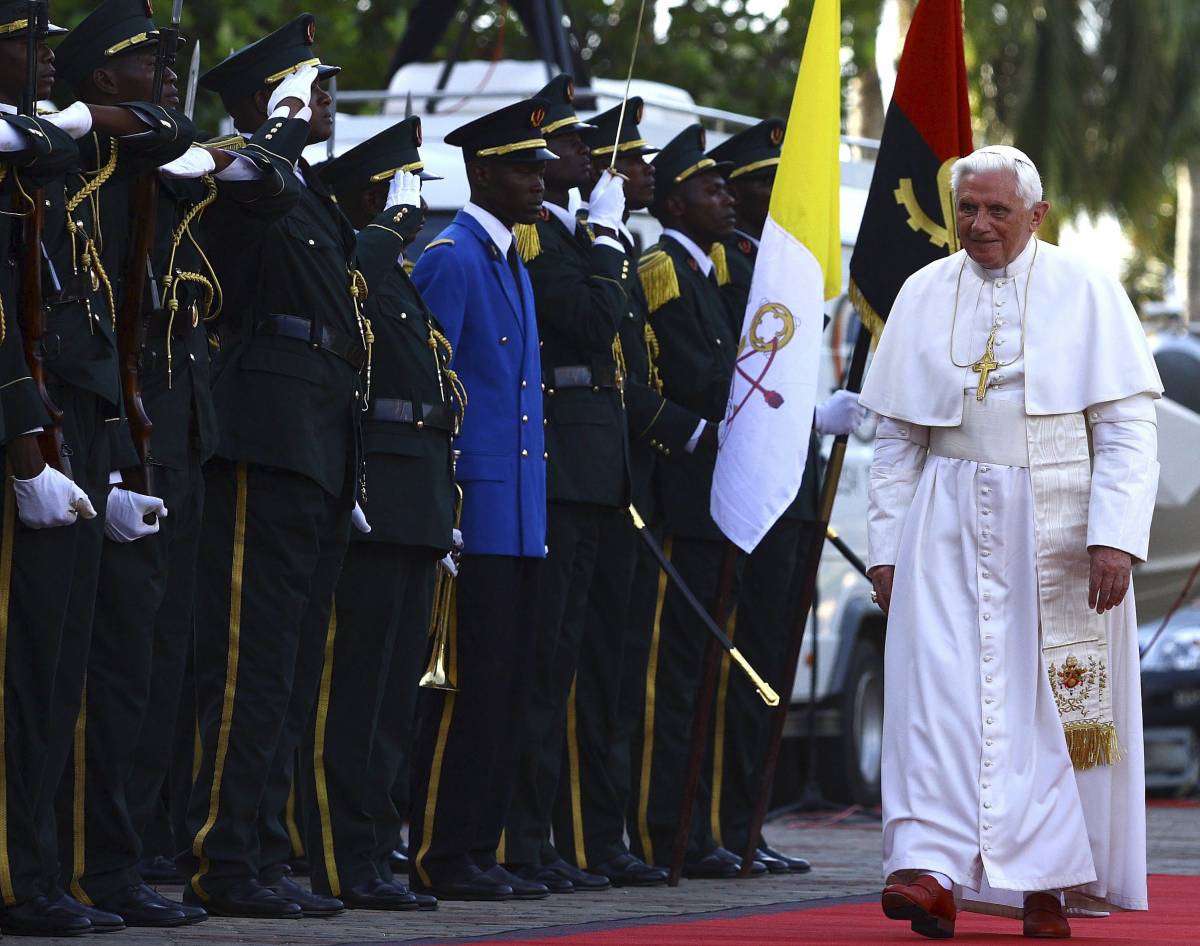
(358,519)
(449,565)
(405,189)
(606,206)
(193,163)
(125,520)
(456,539)
(840,414)
(296,86)
(75,120)
(51,499)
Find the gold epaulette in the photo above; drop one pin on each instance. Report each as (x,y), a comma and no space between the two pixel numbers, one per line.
(442,242)
(720,263)
(228,143)
(656,270)
(529,244)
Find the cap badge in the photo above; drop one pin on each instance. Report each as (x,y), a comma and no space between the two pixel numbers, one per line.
(694,265)
(538,116)
(638,117)
(310,36)
(703,140)
(149,8)
(777,135)
(570,91)
(417,131)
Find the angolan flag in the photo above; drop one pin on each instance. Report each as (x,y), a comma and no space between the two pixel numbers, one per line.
(909,217)
(769,417)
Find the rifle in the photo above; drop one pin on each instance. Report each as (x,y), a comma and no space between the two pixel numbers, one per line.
(32,299)
(139,273)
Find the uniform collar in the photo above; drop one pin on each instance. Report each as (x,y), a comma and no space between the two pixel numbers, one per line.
(501,235)
(702,259)
(562,214)
(8,109)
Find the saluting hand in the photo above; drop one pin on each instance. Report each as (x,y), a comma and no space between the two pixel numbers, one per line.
(404,192)
(297,88)
(1109,580)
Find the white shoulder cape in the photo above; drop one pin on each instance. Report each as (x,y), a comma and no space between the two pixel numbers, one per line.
(1084,344)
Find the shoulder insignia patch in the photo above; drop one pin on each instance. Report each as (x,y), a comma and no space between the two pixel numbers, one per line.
(720,263)
(744,246)
(442,242)
(228,143)
(529,244)
(656,270)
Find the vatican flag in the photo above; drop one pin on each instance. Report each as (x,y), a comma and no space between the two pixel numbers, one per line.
(768,421)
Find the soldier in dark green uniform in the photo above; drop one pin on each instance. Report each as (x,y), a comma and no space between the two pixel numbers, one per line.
(289,385)
(376,642)
(697,348)
(55,571)
(580,285)
(589,821)
(766,610)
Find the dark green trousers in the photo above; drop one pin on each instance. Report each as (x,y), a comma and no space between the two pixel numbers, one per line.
(271,549)
(766,615)
(673,675)
(48,585)
(573,537)
(362,727)
(605,706)
(141,636)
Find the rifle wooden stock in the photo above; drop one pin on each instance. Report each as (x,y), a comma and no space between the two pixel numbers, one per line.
(33,325)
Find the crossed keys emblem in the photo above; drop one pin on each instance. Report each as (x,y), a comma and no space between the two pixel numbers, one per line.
(943,234)
(760,344)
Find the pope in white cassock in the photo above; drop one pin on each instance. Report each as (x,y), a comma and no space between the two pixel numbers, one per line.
(1011,491)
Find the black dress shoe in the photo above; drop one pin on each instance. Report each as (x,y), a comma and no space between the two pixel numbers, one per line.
(522,889)
(399,860)
(247,898)
(160,870)
(625,870)
(473,884)
(795,865)
(580,879)
(311,904)
(720,864)
(378,895)
(42,916)
(140,905)
(101,921)
(424,901)
(538,874)
(773,864)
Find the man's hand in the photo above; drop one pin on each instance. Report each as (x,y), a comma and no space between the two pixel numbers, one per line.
(358,519)
(881,579)
(606,206)
(1109,579)
(294,92)
(839,414)
(50,499)
(404,192)
(125,520)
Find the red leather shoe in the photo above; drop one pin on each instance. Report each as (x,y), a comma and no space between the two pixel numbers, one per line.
(925,903)
(1044,917)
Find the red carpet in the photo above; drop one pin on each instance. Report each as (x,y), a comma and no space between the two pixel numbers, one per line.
(1174,917)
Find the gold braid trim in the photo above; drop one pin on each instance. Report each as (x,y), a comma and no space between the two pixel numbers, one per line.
(529,243)
(659,280)
(720,263)
(172,280)
(652,350)
(618,354)
(89,256)
(358,292)
(443,351)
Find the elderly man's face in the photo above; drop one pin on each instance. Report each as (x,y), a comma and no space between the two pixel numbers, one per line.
(994,225)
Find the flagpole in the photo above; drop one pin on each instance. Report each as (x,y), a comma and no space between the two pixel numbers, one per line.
(812,562)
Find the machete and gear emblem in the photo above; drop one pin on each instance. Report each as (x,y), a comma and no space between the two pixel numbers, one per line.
(943,234)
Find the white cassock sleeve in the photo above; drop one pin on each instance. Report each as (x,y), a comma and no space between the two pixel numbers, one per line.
(900,452)
(1124,474)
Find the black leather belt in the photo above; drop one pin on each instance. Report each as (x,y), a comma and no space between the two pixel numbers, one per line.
(584,376)
(296,326)
(437,416)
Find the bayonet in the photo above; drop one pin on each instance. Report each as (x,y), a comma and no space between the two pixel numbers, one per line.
(193,80)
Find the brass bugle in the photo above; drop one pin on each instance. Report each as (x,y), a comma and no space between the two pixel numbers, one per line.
(438,674)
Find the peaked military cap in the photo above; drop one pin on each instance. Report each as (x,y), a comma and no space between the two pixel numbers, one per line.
(560,113)
(114,27)
(683,157)
(379,158)
(604,131)
(268,61)
(512,133)
(14,19)
(755,149)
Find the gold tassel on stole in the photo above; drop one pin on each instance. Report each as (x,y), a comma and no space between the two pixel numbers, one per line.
(1092,744)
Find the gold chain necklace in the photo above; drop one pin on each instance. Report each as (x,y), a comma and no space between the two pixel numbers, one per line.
(987,363)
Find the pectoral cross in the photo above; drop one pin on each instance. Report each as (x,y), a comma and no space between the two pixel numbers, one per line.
(986,365)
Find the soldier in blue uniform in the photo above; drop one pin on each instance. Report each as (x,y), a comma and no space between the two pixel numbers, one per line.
(472,278)
(375,647)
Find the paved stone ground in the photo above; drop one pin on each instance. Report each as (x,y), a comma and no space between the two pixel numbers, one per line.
(843,848)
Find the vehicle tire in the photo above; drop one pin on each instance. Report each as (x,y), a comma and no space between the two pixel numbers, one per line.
(850,763)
